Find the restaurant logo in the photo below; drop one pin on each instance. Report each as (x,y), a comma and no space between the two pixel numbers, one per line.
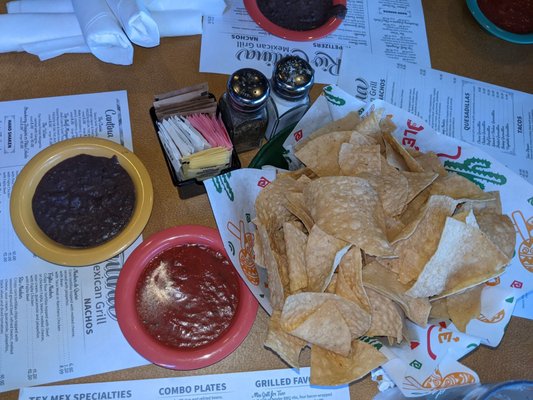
(361,89)
(476,170)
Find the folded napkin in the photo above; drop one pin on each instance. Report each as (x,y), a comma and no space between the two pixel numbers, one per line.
(19,30)
(39,6)
(136,21)
(102,32)
(206,7)
(178,22)
(47,49)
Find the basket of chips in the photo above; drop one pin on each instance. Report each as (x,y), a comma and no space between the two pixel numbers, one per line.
(386,245)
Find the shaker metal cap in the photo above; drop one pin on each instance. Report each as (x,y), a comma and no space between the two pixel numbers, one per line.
(248,89)
(292,77)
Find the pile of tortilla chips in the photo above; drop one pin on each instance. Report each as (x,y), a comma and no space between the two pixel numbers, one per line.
(367,235)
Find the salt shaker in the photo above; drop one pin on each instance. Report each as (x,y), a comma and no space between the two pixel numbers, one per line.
(291,81)
(243,108)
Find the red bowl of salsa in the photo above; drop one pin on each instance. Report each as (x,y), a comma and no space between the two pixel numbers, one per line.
(180,302)
(297,20)
(510,20)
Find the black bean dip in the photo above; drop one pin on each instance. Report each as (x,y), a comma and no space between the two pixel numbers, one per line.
(300,15)
(84,201)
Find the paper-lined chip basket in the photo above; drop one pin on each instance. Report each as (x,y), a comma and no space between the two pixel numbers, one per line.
(428,360)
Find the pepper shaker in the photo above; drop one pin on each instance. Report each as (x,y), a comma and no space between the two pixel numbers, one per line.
(243,108)
(291,81)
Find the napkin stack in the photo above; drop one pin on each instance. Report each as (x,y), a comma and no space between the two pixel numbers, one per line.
(106,28)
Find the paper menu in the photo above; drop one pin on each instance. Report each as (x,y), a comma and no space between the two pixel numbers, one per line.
(282,384)
(56,322)
(234,40)
(497,120)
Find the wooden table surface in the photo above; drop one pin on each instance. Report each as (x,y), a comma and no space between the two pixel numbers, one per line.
(457,45)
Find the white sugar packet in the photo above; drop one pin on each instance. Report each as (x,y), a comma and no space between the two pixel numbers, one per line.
(137,21)
(102,32)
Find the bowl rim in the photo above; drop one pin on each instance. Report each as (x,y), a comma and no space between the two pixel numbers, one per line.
(38,242)
(127,316)
(491,27)
(299,36)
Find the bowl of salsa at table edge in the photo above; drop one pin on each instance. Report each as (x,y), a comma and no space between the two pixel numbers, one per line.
(510,20)
(31,235)
(127,298)
(329,26)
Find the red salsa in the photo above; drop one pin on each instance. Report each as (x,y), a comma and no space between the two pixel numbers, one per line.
(511,15)
(187,296)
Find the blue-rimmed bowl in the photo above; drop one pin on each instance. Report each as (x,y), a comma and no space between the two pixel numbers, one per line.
(526,38)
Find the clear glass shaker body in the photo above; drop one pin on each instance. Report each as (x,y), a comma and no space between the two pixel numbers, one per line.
(291,81)
(243,108)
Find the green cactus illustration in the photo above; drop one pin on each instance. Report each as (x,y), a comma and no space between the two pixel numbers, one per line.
(476,170)
(337,101)
(221,183)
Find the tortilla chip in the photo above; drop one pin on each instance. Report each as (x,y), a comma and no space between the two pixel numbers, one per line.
(329,369)
(295,242)
(464,257)
(439,309)
(272,212)
(499,229)
(415,249)
(298,307)
(430,163)
(350,279)
(321,154)
(458,187)
(285,345)
(326,328)
(295,204)
(332,284)
(354,160)
(275,285)
(361,139)
(418,181)
(348,123)
(393,189)
(394,158)
(349,209)
(383,281)
(465,306)
(320,253)
(409,160)
(387,316)
(370,124)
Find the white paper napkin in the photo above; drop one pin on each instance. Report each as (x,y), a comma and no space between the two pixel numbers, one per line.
(39,6)
(178,22)
(52,48)
(136,21)
(102,32)
(17,30)
(206,7)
